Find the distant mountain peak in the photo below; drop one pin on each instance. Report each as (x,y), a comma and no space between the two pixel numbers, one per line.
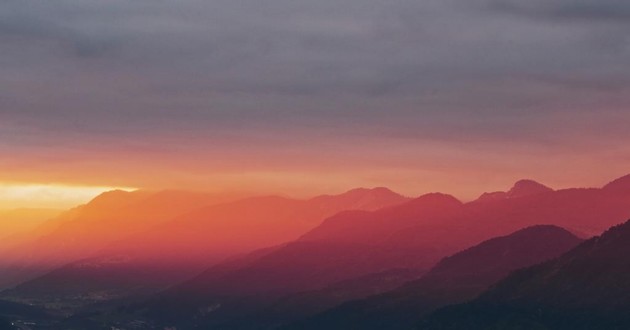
(542,229)
(109,196)
(437,198)
(375,190)
(526,188)
(362,198)
(518,249)
(521,188)
(114,199)
(621,184)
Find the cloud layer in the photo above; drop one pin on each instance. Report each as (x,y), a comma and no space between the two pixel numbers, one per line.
(301,86)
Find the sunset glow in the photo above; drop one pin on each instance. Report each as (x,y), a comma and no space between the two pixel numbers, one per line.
(58,196)
(315,164)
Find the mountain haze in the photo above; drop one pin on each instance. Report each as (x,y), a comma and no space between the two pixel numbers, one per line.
(586,288)
(177,248)
(456,278)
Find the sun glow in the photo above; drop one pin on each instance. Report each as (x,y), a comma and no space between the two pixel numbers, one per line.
(18,195)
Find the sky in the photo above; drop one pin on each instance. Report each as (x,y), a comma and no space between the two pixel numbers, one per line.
(305,97)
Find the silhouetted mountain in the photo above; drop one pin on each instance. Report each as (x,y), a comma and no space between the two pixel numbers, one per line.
(312,262)
(182,247)
(359,199)
(329,253)
(439,225)
(365,227)
(412,235)
(15,225)
(219,231)
(303,304)
(18,221)
(346,247)
(621,185)
(585,211)
(457,278)
(267,312)
(520,189)
(83,231)
(526,188)
(586,288)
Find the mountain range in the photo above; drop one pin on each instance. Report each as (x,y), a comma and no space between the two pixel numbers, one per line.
(586,288)
(367,258)
(456,278)
(146,243)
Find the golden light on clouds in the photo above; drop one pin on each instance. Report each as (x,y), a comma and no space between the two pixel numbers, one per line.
(19,195)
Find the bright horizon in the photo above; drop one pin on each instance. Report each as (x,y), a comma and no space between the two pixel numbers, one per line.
(303,98)
(220,164)
(48,196)
(62,196)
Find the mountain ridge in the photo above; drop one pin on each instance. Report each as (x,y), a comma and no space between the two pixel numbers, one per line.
(586,288)
(455,278)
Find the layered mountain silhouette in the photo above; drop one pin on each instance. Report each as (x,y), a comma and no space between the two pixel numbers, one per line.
(245,225)
(306,264)
(586,288)
(319,258)
(457,278)
(412,236)
(19,221)
(16,225)
(318,253)
(85,230)
(170,251)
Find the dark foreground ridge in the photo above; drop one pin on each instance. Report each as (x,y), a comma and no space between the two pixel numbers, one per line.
(457,278)
(586,288)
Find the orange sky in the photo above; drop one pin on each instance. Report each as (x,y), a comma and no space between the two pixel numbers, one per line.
(303,98)
(578,152)
(18,195)
(412,170)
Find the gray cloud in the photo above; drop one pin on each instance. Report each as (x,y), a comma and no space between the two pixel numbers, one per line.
(439,70)
(572,10)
